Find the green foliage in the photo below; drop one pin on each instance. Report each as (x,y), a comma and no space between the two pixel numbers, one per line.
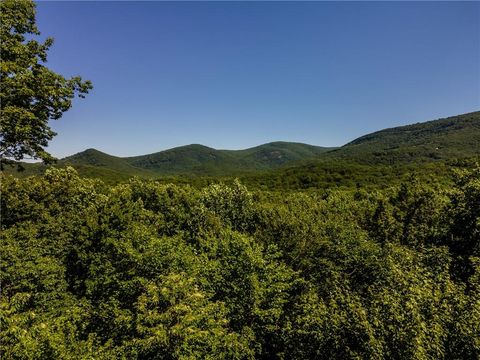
(448,138)
(377,160)
(31,94)
(359,259)
(462,217)
(202,160)
(145,270)
(232,204)
(347,174)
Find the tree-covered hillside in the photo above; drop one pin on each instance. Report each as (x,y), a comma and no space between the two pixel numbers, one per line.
(391,152)
(200,160)
(98,159)
(348,174)
(452,137)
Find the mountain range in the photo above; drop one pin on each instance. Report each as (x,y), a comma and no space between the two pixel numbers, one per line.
(443,139)
(198,159)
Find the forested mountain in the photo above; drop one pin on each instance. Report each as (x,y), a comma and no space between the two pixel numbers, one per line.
(452,137)
(385,157)
(448,138)
(381,156)
(201,160)
(93,157)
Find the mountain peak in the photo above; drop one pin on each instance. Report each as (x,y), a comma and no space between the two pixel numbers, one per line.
(452,137)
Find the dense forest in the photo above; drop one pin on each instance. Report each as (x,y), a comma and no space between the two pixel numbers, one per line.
(144,270)
(281,251)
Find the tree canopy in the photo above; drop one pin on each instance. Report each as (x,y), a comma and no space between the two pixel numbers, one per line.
(143,270)
(31,94)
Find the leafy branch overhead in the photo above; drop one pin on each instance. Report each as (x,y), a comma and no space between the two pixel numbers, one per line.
(31,94)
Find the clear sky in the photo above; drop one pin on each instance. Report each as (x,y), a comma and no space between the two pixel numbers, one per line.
(232,75)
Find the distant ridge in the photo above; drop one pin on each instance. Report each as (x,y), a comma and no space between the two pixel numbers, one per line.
(201,160)
(454,137)
(385,157)
(446,138)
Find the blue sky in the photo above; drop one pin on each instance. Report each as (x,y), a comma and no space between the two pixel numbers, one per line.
(232,75)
